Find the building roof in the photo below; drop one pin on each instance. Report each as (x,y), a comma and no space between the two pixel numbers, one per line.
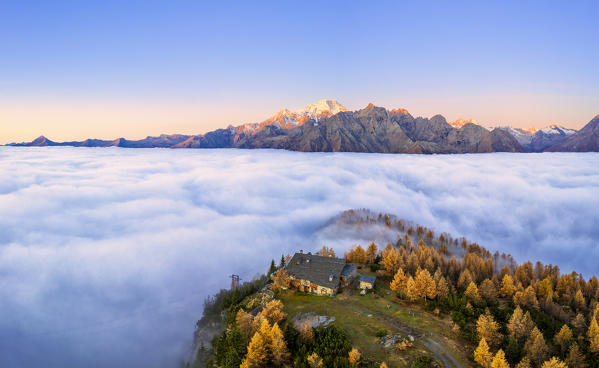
(368,278)
(323,271)
(348,269)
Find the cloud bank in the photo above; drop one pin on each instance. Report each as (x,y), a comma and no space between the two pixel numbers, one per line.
(106,255)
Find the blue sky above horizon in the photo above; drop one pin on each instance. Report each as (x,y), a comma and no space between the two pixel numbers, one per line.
(73,70)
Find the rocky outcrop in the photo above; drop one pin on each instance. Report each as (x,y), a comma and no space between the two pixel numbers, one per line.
(585,140)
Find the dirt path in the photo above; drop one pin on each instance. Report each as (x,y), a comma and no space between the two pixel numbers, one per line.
(438,350)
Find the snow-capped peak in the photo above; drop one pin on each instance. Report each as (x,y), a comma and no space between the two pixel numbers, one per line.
(558,129)
(461,122)
(322,108)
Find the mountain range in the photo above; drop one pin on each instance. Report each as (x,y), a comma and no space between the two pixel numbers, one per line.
(327,126)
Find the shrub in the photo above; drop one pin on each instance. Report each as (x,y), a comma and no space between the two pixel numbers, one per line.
(381,332)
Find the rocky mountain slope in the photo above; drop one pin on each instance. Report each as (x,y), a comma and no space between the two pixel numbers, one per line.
(584,140)
(327,126)
(533,140)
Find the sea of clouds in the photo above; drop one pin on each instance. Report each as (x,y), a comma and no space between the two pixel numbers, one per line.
(107,254)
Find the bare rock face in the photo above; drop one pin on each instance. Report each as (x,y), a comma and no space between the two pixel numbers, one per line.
(585,140)
(375,129)
(502,141)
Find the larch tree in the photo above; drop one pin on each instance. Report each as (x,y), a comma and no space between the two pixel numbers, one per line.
(488,329)
(526,298)
(425,284)
(411,290)
(392,261)
(371,252)
(306,332)
(554,363)
(579,324)
(354,356)
(280,354)
(280,280)
(575,357)
(507,287)
(536,348)
(257,354)
(244,322)
(488,291)
(464,280)
(315,361)
(482,355)
(326,252)
(472,292)
(519,325)
(356,254)
(524,363)
(545,289)
(442,288)
(499,360)
(564,338)
(593,336)
(399,282)
(273,311)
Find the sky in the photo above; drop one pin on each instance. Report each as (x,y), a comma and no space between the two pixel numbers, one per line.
(109,253)
(107,69)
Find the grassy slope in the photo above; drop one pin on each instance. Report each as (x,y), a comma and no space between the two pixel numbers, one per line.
(362,316)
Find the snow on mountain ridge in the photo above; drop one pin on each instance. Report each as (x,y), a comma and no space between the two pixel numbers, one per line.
(323,107)
(461,122)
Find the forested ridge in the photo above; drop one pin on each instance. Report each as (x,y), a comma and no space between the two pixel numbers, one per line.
(511,315)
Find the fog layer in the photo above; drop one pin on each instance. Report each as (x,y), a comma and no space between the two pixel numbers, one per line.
(107,254)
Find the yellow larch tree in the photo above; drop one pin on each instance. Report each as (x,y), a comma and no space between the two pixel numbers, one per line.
(273,311)
(545,289)
(326,252)
(488,329)
(520,324)
(354,356)
(507,287)
(425,284)
(482,355)
(399,282)
(315,361)
(563,338)
(593,335)
(280,280)
(464,280)
(554,363)
(488,291)
(442,288)
(244,322)
(411,291)
(536,348)
(371,253)
(472,292)
(392,261)
(257,355)
(524,363)
(280,354)
(499,360)
(575,357)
